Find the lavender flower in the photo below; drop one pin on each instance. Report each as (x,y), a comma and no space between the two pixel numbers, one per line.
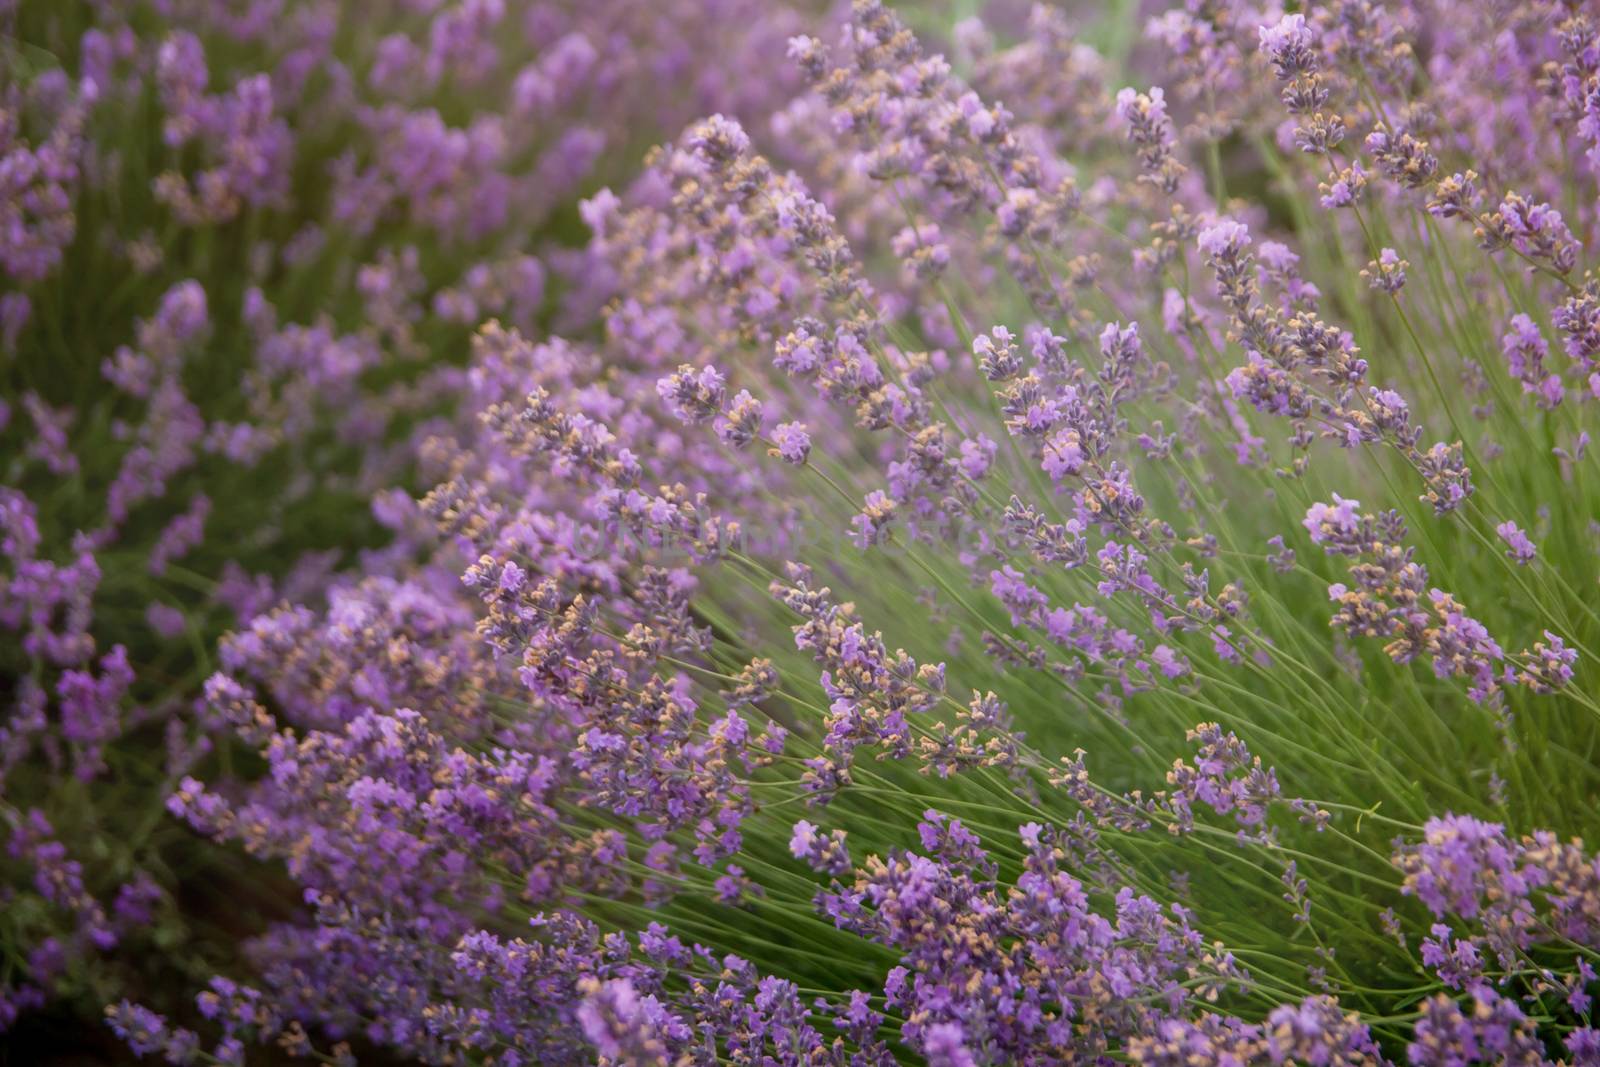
(1519,548)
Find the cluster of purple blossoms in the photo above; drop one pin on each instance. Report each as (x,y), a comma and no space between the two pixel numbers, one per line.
(1030,973)
(1303,369)
(1510,895)
(1390,598)
(36,222)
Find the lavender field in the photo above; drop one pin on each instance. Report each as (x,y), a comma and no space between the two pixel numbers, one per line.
(678,532)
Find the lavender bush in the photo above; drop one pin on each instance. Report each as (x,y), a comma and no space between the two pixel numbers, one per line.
(1012,537)
(243,248)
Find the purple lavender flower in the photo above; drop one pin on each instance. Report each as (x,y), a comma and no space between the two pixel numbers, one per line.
(791,442)
(1518,547)
(1387,273)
